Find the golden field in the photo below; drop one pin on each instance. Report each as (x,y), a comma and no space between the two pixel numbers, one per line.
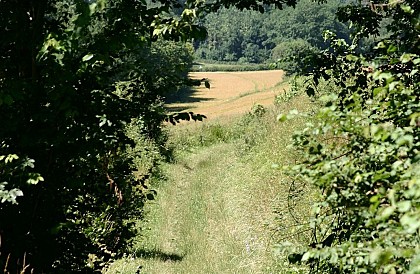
(230,93)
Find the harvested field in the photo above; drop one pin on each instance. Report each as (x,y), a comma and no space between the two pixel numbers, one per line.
(230,93)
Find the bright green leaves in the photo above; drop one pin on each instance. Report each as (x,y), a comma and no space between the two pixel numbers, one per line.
(34,178)
(281,117)
(87,57)
(13,171)
(407,57)
(405,140)
(8,158)
(380,256)
(103,120)
(363,154)
(410,222)
(407,9)
(54,47)
(386,213)
(404,206)
(9,195)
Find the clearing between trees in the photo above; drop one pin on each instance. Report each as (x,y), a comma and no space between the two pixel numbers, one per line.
(230,93)
(218,201)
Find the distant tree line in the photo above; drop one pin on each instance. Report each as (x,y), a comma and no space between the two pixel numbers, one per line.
(254,37)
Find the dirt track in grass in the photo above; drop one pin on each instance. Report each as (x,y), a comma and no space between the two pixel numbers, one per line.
(230,93)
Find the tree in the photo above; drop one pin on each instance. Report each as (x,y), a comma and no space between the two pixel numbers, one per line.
(252,35)
(75,76)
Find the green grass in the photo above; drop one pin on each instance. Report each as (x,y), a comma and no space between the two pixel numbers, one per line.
(224,203)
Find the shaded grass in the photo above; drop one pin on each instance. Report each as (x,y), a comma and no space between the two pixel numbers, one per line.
(225,202)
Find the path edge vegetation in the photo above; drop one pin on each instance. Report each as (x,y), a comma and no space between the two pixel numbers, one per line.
(362,153)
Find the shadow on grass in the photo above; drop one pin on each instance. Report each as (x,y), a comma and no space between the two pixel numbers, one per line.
(185,95)
(157,254)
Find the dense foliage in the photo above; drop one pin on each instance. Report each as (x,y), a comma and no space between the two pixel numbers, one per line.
(363,150)
(250,36)
(80,88)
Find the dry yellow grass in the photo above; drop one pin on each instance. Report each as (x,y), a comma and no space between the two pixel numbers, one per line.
(233,92)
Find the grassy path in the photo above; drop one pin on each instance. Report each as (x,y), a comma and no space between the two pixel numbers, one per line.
(206,220)
(214,212)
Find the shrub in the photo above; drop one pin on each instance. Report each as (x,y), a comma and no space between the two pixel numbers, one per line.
(292,56)
(363,152)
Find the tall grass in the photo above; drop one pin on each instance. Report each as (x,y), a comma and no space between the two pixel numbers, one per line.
(225,201)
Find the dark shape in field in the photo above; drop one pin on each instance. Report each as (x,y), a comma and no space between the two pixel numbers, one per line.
(157,254)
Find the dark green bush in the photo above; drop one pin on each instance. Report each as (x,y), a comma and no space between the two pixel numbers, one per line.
(81,111)
(293,56)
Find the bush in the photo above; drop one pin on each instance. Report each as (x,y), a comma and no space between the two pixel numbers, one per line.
(293,56)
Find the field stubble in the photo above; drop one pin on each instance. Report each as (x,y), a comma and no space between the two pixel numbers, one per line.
(231,93)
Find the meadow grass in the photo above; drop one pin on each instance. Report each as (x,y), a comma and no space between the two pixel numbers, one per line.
(225,201)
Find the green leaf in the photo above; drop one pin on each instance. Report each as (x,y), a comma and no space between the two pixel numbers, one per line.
(392,49)
(410,222)
(407,9)
(387,212)
(380,256)
(404,206)
(306,256)
(405,58)
(87,57)
(351,57)
(34,178)
(374,199)
(405,140)
(385,75)
(281,117)
(11,157)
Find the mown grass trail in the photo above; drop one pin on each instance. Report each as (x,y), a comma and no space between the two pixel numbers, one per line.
(214,212)
(205,217)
